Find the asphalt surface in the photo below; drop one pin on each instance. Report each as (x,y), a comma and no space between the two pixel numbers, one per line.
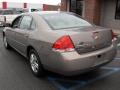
(15,74)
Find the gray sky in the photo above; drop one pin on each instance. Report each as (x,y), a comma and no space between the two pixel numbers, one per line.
(35,1)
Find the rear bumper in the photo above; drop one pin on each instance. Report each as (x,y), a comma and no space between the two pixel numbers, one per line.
(72,63)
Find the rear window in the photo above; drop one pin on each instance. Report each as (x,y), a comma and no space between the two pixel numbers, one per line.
(64,21)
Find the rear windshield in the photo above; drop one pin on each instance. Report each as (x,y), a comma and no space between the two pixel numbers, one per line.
(64,21)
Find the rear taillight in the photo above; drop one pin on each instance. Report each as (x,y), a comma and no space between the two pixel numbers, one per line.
(113,34)
(63,44)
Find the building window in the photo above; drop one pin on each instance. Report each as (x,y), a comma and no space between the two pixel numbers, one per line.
(117,15)
(76,6)
(73,6)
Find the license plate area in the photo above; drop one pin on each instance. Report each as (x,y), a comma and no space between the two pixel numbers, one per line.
(100,59)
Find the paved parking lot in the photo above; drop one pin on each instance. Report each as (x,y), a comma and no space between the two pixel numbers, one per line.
(16,75)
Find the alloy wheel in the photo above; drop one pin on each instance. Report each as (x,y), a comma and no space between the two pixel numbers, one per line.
(34,63)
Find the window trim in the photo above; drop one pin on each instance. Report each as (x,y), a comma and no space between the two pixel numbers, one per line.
(21,17)
(31,25)
(30,22)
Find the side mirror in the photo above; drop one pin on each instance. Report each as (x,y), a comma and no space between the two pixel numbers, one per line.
(7,25)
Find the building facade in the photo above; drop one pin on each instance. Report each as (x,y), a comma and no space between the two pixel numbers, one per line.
(100,12)
(42,7)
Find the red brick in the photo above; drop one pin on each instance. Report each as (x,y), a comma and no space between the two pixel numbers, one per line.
(64,5)
(92,10)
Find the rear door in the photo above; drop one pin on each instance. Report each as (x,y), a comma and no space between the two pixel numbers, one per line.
(22,34)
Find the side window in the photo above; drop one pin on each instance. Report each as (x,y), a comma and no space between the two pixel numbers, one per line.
(33,25)
(16,22)
(25,22)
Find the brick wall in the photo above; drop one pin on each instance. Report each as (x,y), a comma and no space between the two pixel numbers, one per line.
(4,5)
(64,5)
(92,11)
(50,7)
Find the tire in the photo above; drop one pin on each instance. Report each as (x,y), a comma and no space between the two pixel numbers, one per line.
(6,45)
(35,64)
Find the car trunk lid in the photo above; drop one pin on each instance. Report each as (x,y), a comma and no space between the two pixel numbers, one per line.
(88,39)
(91,40)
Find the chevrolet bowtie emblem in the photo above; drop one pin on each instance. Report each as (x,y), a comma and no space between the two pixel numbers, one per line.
(95,35)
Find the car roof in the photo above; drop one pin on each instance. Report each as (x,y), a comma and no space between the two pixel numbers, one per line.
(43,12)
(46,12)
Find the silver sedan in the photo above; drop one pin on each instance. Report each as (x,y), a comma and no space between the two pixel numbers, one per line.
(60,42)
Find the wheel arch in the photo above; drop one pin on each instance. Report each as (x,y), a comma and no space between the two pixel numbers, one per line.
(28,50)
